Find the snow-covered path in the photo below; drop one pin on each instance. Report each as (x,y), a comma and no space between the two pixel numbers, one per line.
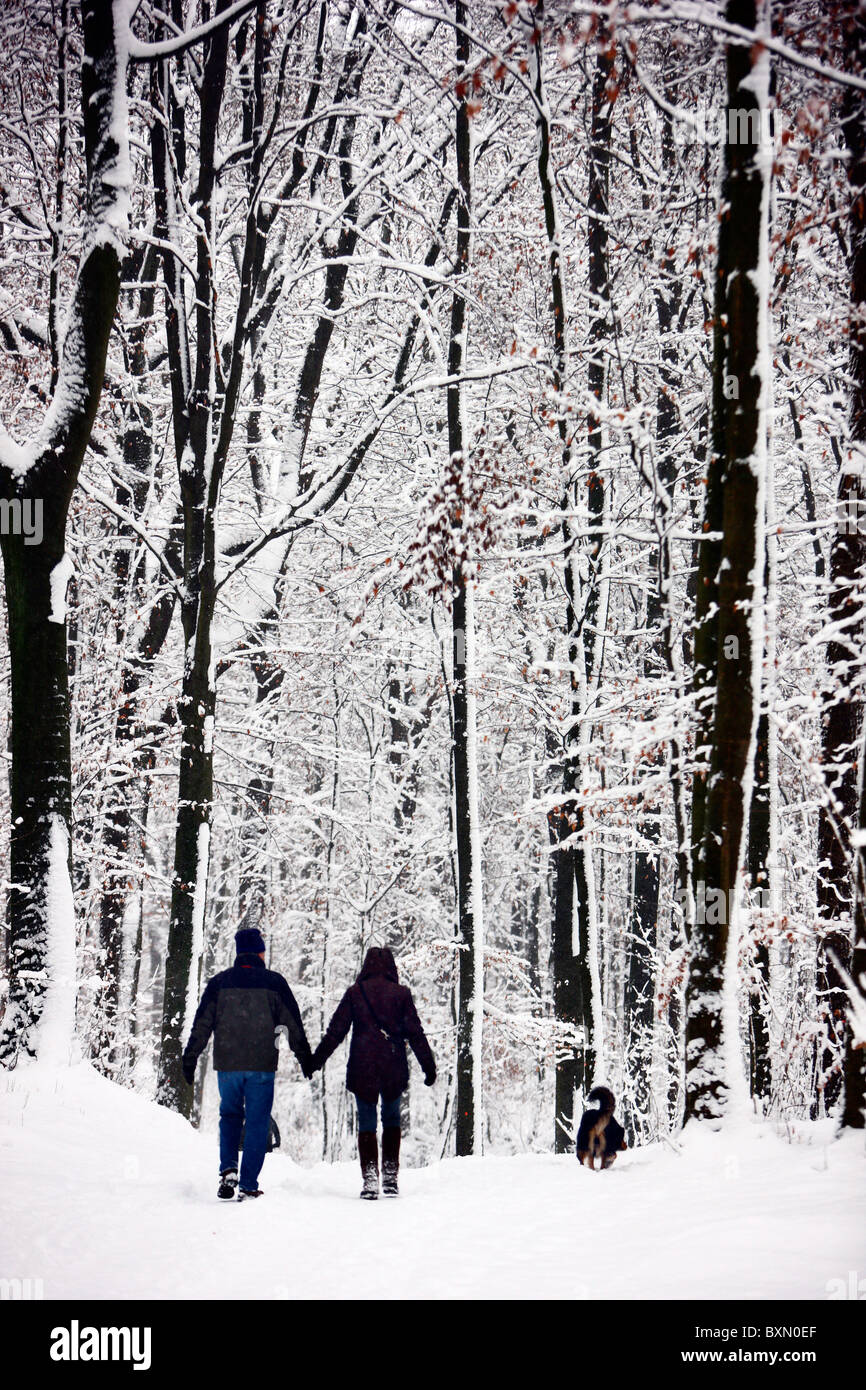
(105,1195)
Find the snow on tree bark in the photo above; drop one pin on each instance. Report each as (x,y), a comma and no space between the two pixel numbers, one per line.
(469,1122)
(40,916)
(740,397)
(572,934)
(848,577)
(842,713)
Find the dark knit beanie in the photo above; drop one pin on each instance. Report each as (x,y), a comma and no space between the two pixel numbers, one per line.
(249,942)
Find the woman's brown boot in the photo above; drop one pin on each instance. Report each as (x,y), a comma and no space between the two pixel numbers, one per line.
(368,1152)
(390,1160)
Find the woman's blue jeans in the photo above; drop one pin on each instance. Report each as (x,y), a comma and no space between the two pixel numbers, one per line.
(367,1115)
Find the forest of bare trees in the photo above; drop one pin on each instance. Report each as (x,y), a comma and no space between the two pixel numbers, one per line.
(432,513)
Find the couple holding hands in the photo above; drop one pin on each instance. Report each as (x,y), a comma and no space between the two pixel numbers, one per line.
(246,1006)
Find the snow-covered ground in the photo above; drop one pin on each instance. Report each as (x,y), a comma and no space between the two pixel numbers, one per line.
(106,1195)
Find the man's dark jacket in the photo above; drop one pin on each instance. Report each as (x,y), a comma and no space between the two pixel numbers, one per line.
(376,1067)
(243,1007)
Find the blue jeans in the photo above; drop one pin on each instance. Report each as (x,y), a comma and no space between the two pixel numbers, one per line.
(367,1115)
(246,1098)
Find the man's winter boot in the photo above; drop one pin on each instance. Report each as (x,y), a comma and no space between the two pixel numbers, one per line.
(228,1183)
(368,1152)
(245,1192)
(390,1160)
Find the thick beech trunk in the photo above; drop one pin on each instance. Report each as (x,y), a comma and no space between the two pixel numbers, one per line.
(739,427)
(40,917)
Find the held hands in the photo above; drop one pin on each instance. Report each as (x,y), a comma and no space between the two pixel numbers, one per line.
(310,1065)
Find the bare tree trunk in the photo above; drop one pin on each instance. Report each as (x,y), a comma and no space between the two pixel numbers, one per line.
(200,467)
(854,1108)
(843,701)
(40,1013)
(854,1067)
(469,1120)
(760,1070)
(572,975)
(739,440)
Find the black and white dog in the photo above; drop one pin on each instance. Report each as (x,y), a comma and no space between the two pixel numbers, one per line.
(600,1135)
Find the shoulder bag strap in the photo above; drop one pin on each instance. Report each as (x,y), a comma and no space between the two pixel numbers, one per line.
(385,1034)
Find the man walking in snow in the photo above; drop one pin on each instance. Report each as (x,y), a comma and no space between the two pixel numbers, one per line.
(245,1008)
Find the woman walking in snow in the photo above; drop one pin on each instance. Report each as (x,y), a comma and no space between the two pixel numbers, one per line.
(381,1013)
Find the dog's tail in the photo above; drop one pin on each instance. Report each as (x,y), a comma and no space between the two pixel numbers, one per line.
(606,1102)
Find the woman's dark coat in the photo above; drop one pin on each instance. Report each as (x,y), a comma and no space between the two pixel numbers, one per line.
(375,1066)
